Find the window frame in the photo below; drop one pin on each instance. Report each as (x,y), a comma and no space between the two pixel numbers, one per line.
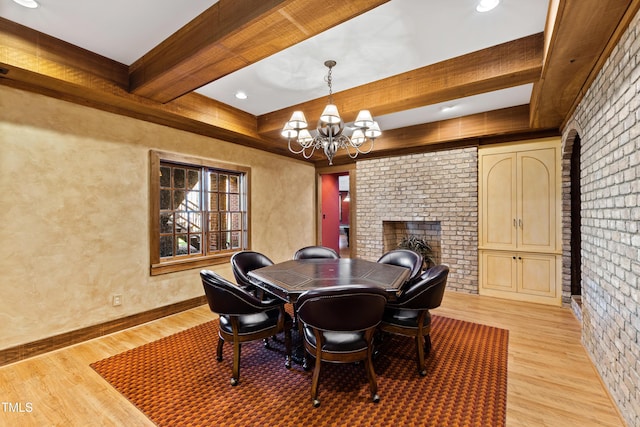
(158,266)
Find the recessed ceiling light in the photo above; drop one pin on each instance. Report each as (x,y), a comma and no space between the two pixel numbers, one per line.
(486,5)
(31,4)
(241,95)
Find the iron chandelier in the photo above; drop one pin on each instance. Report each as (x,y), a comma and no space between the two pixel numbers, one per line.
(330,130)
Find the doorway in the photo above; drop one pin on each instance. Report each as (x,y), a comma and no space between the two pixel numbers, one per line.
(336,201)
(330,209)
(576,220)
(344,226)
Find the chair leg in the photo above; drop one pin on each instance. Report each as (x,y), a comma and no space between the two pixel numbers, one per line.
(427,345)
(420,348)
(219,350)
(316,377)
(305,363)
(287,347)
(305,359)
(373,384)
(236,363)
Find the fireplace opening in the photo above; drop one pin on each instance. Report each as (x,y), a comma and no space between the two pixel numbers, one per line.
(430,231)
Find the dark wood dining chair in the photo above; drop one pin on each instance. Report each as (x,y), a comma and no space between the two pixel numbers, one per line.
(409,315)
(244,318)
(404,258)
(311,252)
(338,324)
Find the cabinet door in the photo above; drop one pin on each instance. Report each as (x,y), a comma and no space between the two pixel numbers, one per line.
(537,275)
(498,271)
(537,200)
(498,206)
(530,277)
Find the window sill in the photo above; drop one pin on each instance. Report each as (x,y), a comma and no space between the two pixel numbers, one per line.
(189,264)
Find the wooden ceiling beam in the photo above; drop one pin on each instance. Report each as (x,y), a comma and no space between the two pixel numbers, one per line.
(506,65)
(231,35)
(580,36)
(417,138)
(40,63)
(480,125)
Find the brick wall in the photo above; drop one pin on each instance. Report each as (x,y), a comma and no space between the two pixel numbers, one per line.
(608,123)
(440,186)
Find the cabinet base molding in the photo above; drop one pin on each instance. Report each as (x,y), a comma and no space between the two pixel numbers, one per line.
(514,296)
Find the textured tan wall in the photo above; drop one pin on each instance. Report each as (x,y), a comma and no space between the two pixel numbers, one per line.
(74,214)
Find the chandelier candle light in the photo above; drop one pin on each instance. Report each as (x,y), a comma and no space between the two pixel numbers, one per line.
(329,130)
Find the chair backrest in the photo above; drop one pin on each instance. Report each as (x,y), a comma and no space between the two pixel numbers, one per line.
(427,291)
(404,258)
(225,297)
(245,261)
(311,252)
(342,308)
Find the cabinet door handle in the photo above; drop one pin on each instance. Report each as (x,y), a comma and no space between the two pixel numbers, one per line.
(520,222)
(514,257)
(514,222)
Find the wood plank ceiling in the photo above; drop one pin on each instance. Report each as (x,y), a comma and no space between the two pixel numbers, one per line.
(561,63)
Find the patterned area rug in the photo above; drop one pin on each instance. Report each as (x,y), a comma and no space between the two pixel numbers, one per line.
(176,381)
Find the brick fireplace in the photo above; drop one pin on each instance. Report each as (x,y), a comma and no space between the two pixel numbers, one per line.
(437,192)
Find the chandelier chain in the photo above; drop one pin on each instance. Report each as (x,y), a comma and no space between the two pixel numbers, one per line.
(329,81)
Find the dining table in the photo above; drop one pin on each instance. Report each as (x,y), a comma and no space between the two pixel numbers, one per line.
(289,279)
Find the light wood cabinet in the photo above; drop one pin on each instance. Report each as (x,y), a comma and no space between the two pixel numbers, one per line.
(521,276)
(519,220)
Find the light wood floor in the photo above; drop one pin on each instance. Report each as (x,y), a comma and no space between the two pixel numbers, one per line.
(551,381)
